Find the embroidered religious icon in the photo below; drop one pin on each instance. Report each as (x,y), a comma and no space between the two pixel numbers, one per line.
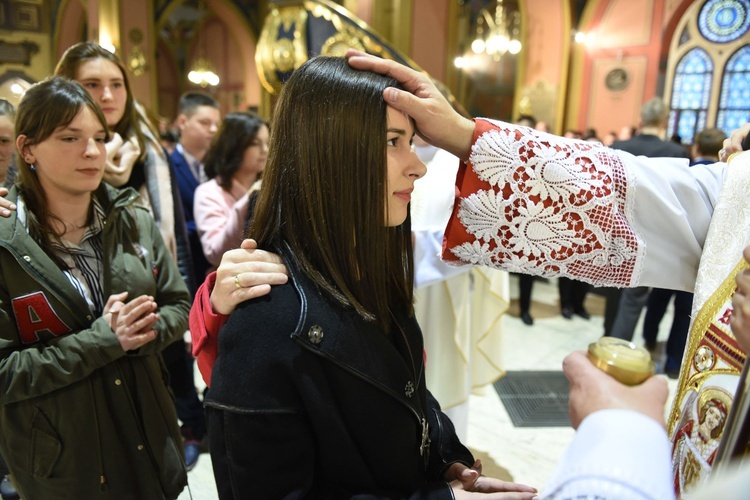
(708,382)
(698,435)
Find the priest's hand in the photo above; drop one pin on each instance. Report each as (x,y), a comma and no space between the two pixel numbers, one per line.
(733,143)
(592,390)
(740,320)
(436,120)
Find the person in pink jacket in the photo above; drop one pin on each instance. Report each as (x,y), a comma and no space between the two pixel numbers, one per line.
(233,165)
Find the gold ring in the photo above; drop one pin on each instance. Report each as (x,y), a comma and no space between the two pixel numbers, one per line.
(237,281)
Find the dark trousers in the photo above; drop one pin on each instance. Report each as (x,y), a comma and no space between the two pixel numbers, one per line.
(629,310)
(525,285)
(572,293)
(658,301)
(188,405)
(611,305)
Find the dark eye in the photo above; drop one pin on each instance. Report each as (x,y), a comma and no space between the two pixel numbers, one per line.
(392,142)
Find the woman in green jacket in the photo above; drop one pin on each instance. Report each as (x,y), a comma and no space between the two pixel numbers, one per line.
(89,295)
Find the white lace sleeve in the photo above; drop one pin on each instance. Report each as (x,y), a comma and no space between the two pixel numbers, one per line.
(540,204)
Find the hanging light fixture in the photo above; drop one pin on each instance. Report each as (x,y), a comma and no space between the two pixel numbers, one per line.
(498,33)
(202,72)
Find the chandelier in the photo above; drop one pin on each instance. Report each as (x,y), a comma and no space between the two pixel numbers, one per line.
(497,33)
(202,72)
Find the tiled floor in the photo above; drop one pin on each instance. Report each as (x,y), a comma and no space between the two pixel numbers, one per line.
(527,455)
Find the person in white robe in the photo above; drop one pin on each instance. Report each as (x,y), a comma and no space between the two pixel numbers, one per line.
(459,309)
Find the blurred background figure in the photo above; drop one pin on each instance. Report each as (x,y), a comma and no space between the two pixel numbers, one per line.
(167,135)
(705,150)
(609,138)
(459,308)
(7,143)
(233,166)
(198,121)
(624,306)
(706,146)
(626,133)
(572,297)
(591,135)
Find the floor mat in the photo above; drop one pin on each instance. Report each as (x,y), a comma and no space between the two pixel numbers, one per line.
(535,398)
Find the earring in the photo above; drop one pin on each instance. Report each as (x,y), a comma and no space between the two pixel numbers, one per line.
(32,167)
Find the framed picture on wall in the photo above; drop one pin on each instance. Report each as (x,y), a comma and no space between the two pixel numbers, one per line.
(617,79)
(26,17)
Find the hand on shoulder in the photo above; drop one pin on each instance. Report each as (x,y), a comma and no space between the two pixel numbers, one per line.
(246,273)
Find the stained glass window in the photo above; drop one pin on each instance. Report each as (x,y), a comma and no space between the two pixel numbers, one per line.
(691,92)
(734,101)
(723,21)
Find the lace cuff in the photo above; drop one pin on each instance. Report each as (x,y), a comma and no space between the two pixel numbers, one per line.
(545,205)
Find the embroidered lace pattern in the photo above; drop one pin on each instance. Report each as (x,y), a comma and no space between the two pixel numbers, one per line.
(547,206)
(728,234)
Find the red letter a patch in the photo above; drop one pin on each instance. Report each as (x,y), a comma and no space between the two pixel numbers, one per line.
(34,314)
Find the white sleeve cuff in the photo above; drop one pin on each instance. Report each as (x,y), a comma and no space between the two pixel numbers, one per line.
(616,454)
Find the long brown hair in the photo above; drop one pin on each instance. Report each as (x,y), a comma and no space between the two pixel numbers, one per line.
(131,121)
(47,106)
(324,189)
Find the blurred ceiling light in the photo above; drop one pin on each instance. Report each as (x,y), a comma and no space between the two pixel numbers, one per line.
(497,34)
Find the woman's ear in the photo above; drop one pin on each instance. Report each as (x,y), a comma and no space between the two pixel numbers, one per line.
(24,150)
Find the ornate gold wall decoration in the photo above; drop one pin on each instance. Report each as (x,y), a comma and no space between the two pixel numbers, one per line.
(297,29)
(282,47)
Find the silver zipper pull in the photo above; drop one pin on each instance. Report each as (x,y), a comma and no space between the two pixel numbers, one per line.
(424,447)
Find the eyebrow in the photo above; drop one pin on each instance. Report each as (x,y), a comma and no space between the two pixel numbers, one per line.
(97,79)
(78,130)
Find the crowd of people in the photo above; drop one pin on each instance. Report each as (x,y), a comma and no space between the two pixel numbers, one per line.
(316,383)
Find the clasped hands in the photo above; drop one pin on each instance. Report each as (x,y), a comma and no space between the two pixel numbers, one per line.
(133,322)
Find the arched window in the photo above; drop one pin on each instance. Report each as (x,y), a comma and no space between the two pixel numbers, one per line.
(708,75)
(691,93)
(734,101)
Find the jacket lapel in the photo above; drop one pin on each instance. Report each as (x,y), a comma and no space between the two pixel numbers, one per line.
(356,345)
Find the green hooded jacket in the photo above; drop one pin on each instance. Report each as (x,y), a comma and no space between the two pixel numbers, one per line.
(80,417)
